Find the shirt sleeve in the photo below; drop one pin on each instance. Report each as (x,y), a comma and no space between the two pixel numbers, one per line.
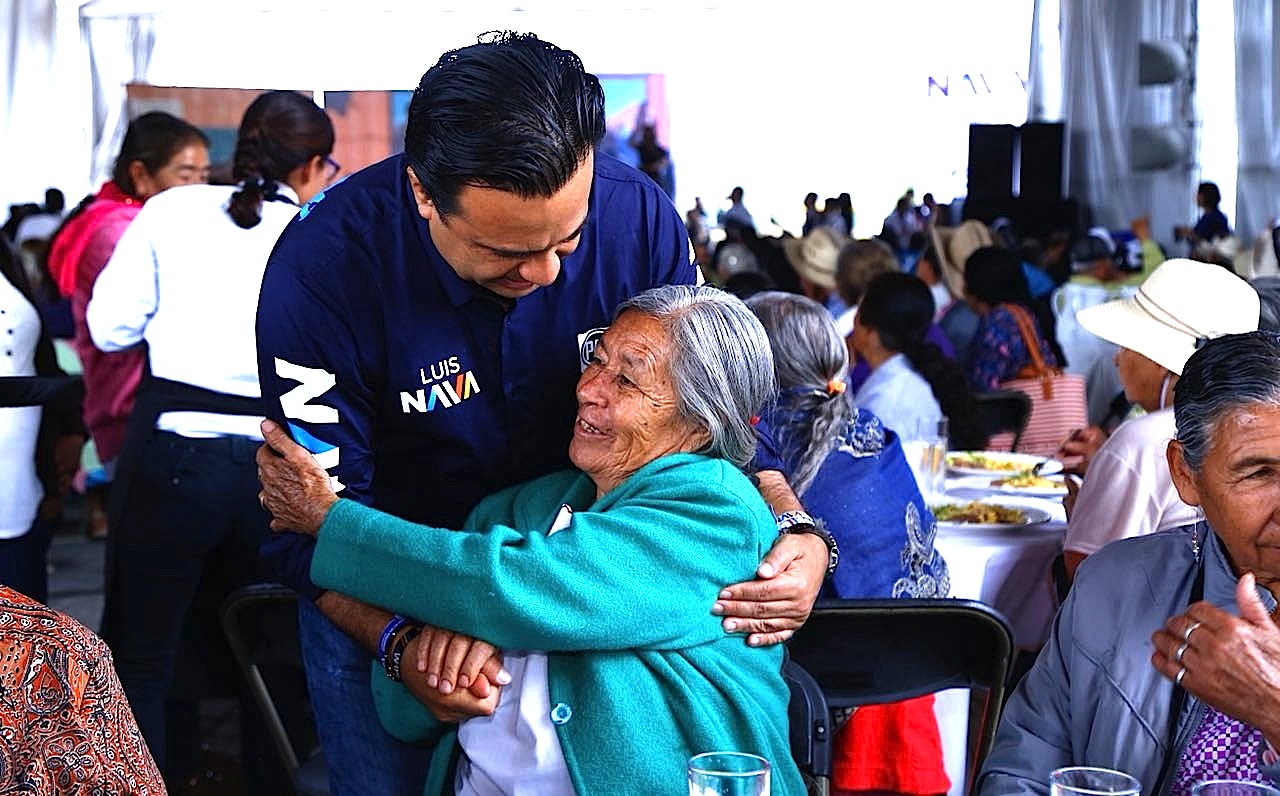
(672,249)
(768,455)
(1116,499)
(318,336)
(126,293)
(1034,735)
(641,574)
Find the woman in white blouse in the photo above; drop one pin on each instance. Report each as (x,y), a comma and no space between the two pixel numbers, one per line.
(912,385)
(184,279)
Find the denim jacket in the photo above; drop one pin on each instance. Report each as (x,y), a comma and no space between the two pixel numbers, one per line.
(1093,697)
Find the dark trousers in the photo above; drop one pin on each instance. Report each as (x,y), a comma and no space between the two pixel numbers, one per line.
(24,561)
(193,501)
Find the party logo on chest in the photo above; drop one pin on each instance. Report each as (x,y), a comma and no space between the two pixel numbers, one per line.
(445,384)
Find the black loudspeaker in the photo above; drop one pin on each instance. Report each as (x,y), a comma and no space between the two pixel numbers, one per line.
(1040,161)
(991,160)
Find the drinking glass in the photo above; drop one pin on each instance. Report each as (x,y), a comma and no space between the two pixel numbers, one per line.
(1087,781)
(728,774)
(1232,787)
(926,450)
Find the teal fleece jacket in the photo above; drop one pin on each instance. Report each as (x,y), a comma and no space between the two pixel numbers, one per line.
(641,674)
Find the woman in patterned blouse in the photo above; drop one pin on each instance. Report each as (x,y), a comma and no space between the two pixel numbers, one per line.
(65,725)
(996,289)
(851,474)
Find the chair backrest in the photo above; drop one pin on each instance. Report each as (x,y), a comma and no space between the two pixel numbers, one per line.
(866,652)
(261,624)
(1004,413)
(810,723)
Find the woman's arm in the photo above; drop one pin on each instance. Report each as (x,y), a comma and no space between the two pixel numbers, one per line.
(125,295)
(641,572)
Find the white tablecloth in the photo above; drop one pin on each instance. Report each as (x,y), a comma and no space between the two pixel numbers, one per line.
(1007,569)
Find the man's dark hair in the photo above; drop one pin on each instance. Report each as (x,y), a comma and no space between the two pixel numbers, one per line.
(511,112)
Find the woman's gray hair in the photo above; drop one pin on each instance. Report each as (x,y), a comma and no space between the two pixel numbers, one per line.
(1226,374)
(808,353)
(721,365)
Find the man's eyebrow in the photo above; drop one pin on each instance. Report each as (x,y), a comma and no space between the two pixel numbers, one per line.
(1250,462)
(514,253)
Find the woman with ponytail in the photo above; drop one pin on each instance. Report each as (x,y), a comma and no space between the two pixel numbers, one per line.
(851,475)
(184,279)
(912,385)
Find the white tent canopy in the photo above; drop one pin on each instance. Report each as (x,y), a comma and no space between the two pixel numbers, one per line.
(781,99)
(815,95)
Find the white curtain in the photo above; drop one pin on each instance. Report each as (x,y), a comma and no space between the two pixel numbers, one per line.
(1102,102)
(1257,103)
(42,141)
(119,50)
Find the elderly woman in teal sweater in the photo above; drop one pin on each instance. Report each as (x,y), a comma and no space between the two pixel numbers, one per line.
(595,582)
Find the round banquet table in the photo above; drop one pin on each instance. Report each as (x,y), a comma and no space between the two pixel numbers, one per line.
(1006,568)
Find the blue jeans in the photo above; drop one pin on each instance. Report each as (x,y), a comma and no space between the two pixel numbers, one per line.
(362,757)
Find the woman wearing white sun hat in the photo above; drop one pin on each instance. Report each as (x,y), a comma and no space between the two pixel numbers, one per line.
(1128,490)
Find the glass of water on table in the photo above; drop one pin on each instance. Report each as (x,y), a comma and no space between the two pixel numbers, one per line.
(925,447)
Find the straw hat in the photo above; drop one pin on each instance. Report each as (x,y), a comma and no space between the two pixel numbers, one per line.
(954,245)
(1182,304)
(814,256)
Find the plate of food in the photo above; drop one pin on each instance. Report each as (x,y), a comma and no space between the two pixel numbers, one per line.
(1031,485)
(998,463)
(986,515)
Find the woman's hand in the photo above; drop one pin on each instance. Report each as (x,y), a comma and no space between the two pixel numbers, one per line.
(481,699)
(452,661)
(1231,663)
(295,490)
(1083,443)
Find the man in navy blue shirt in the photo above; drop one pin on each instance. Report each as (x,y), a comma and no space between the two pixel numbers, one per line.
(421,327)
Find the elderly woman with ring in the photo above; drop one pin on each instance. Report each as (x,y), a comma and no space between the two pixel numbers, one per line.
(595,582)
(1199,699)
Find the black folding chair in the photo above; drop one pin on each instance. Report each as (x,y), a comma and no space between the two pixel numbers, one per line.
(867,652)
(261,623)
(1004,410)
(810,721)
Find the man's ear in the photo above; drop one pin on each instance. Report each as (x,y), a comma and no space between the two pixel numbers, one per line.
(1183,479)
(426,208)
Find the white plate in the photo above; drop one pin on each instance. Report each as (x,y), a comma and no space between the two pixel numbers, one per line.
(1032,491)
(1030,516)
(1025,461)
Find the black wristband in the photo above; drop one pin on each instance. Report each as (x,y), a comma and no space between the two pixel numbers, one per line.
(391,663)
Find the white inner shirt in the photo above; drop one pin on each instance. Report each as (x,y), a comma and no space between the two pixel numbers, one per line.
(515,751)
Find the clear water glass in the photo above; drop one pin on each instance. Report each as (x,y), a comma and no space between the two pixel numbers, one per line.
(1088,781)
(728,774)
(1232,787)
(926,450)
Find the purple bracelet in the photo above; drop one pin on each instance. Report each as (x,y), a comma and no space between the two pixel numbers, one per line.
(393,626)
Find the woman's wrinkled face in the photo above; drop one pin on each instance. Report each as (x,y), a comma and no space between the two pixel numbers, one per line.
(1238,487)
(627,404)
